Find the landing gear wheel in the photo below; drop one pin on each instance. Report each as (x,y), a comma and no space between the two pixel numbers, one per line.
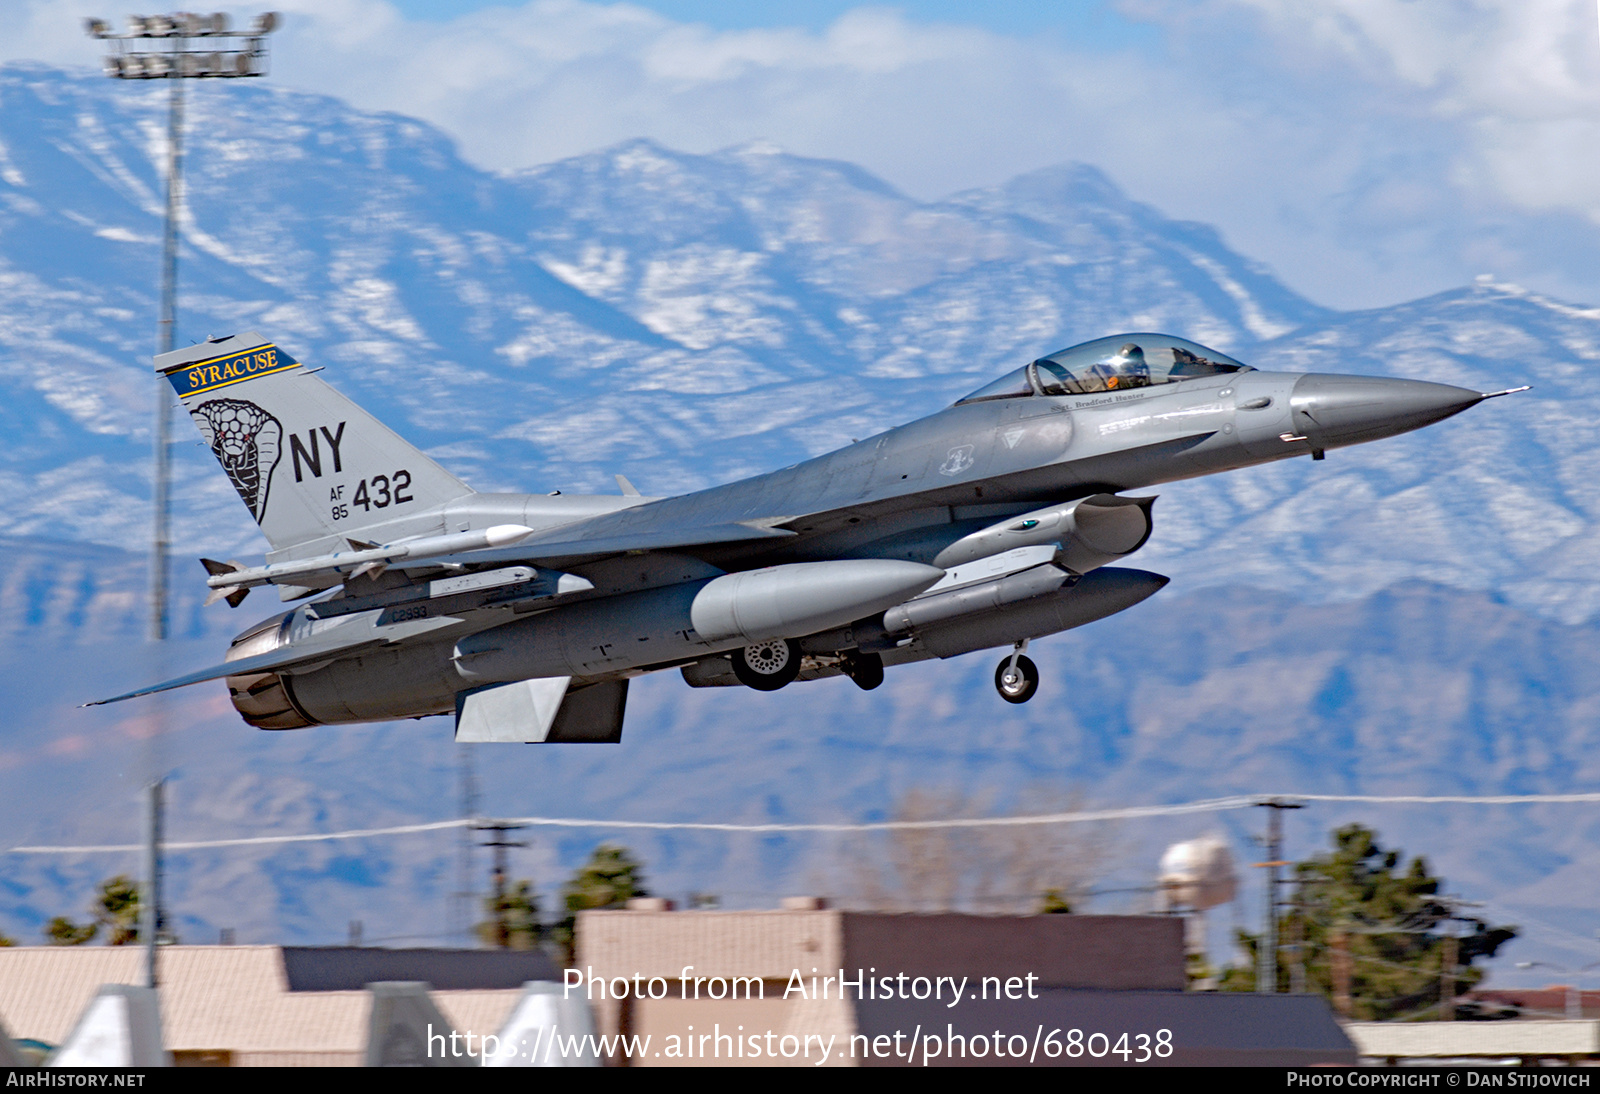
(1019,685)
(865,669)
(767,666)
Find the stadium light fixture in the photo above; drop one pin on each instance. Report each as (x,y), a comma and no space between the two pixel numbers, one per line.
(173,47)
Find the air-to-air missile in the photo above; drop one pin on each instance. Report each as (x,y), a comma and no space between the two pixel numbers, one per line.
(988,524)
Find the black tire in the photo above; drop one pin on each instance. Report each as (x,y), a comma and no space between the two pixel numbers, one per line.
(767,666)
(1021,689)
(864,669)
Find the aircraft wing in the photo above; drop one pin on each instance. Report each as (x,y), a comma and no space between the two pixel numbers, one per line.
(231,580)
(820,495)
(298,655)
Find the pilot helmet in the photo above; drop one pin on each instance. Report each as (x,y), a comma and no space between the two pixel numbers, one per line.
(1125,368)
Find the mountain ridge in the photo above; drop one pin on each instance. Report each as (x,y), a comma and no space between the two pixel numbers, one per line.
(1413,613)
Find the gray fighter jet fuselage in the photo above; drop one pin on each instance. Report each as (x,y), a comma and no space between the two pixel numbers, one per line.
(987,524)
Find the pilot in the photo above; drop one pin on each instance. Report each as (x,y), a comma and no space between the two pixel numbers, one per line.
(1125,368)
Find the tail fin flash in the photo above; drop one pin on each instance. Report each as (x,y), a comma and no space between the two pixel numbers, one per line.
(306,461)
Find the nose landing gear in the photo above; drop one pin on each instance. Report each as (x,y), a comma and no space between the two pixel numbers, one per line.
(767,666)
(1016,678)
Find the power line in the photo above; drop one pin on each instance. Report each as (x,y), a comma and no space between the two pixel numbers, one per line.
(1208,805)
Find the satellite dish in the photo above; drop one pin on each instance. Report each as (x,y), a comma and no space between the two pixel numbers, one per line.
(1198,874)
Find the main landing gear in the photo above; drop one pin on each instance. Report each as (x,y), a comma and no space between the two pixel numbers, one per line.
(768,666)
(1016,678)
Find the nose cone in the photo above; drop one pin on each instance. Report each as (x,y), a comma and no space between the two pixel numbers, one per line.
(1335,410)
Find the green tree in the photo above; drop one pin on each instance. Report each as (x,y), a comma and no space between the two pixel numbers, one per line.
(1367,922)
(61,931)
(610,878)
(513,922)
(116,909)
(1054,902)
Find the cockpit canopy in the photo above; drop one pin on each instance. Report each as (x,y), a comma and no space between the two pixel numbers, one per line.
(1110,364)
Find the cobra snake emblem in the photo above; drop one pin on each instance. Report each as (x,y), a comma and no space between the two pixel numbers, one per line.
(248,442)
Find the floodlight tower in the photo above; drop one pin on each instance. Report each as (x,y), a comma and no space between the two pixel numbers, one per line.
(175,47)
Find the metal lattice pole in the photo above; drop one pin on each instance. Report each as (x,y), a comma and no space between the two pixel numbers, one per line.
(180,59)
(172,47)
(165,336)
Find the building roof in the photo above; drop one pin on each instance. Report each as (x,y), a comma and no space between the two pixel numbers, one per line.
(1458,1040)
(1208,1029)
(1064,951)
(352,968)
(240,998)
(1534,1003)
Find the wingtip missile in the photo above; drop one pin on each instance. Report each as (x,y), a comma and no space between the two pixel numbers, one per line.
(233,595)
(228,577)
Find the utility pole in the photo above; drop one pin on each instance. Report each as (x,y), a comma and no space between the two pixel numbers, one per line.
(1267,948)
(176,47)
(463,912)
(1339,968)
(150,899)
(502,938)
(1297,947)
(1447,975)
(1450,955)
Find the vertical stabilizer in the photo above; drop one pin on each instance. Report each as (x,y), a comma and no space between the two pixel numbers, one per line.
(10,1054)
(405,1029)
(121,1027)
(549,1027)
(306,461)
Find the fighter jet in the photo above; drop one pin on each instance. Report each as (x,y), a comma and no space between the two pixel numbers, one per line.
(986,525)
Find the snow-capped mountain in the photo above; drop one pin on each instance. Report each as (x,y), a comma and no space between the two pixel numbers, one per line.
(1411,616)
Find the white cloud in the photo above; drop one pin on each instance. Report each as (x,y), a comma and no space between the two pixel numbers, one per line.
(1367,149)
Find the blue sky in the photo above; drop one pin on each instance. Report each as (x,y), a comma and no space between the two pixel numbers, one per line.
(1089,22)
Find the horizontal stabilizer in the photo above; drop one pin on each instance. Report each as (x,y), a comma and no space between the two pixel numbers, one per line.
(344,642)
